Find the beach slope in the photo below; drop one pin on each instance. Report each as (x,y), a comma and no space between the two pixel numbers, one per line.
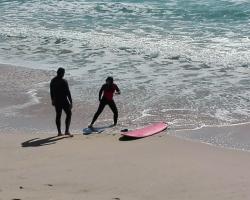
(98,167)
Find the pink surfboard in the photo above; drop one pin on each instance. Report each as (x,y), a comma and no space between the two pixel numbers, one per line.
(147,131)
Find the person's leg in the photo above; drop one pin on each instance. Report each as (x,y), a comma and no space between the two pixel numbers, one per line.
(58,118)
(113,107)
(98,112)
(68,113)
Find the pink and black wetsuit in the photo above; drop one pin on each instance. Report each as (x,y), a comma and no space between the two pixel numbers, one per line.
(106,94)
(108,91)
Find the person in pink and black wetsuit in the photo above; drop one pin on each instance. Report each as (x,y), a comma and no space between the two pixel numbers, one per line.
(106,94)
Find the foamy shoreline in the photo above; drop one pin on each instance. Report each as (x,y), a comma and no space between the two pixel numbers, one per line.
(26,107)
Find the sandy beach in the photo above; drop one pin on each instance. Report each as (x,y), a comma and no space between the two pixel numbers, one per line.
(104,167)
(184,63)
(37,165)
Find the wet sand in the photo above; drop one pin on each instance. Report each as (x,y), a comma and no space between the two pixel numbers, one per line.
(15,82)
(24,95)
(25,104)
(231,137)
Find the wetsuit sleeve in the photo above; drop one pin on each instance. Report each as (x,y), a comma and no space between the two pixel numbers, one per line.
(117,89)
(100,92)
(68,92)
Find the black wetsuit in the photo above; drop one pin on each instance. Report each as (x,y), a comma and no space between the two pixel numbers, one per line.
(61,99)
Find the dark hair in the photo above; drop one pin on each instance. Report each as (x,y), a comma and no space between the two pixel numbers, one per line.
(110,79)
(60,71)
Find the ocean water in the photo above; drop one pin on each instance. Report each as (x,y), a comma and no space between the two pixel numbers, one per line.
(186,62)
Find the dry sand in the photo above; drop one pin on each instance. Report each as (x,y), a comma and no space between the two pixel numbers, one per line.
(101,167)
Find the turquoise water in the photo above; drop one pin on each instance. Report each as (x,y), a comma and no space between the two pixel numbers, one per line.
(185,62)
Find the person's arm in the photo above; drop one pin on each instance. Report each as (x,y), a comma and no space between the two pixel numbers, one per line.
(100,93)
(69,94)
(52,95)
(118,91)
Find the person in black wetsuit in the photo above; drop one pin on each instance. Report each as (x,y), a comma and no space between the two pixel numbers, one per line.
(106,94)
(61,99)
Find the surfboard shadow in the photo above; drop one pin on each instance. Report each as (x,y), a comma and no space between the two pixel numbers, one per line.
(37,142)
(127,138)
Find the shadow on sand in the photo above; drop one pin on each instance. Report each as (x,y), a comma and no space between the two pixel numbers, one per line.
(37,142)
(127,138)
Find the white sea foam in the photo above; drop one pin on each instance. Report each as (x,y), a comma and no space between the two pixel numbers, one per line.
(189,61)
(13,109)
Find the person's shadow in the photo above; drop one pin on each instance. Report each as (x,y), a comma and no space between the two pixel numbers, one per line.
(37,142)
